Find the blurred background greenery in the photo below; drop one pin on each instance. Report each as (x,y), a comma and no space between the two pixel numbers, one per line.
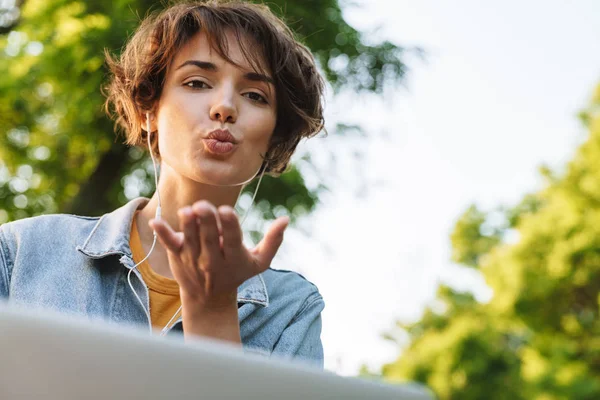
(537,338)
(539,335)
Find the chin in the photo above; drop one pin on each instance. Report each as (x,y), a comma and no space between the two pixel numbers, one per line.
(225,172)
(222,177)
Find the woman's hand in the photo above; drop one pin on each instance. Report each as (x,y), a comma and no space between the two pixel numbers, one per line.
(209,261)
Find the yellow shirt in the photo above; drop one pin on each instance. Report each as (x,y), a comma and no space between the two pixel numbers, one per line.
(163,292)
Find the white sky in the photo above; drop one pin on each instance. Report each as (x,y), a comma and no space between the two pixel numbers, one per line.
(497,97)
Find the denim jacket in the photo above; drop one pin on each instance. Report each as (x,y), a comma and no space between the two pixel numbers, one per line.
(78,265)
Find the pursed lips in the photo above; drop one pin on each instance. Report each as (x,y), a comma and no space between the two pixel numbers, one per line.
(222,135)
(220,142)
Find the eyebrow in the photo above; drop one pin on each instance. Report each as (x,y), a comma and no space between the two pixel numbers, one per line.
(208,66)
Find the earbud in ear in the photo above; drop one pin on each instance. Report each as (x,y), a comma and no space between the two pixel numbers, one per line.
(148,128)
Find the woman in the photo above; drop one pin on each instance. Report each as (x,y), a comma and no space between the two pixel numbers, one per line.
(220,93)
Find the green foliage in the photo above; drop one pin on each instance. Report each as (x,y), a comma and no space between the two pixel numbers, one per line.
(58,151)
(539,335)
(472,239)
(345,58)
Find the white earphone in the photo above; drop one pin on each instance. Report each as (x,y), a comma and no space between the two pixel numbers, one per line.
(158,216)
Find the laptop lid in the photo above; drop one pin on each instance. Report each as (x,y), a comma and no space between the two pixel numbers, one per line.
(51,356)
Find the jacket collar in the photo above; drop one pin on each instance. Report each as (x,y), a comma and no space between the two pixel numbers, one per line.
(110,236)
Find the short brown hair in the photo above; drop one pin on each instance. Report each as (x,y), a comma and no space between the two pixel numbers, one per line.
(139,73)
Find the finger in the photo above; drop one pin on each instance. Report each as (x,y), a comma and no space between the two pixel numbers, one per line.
(191,236)
(171,240)
(267,248)
(231,233)
(209,234)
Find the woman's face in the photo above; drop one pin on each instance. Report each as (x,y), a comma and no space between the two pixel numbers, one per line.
(214,119)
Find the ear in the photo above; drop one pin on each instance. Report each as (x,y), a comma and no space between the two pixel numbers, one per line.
(265,165)
(149,117)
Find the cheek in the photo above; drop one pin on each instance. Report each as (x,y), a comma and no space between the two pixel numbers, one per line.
(177,118)
(173,113)
(261,130)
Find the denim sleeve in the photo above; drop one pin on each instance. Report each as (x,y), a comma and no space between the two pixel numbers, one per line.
(301,339)
(4,275)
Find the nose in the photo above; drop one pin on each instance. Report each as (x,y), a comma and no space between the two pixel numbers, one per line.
(223,108)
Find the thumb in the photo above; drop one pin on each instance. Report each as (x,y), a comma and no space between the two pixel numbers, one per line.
(170,239)
(268,246)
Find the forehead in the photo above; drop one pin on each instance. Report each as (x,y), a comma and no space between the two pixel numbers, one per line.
(199,48)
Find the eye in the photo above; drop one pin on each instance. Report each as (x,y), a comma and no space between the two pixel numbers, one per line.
(197,84)
(256,97)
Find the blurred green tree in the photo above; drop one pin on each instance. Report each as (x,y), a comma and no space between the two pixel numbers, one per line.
(539,335)
(58,151)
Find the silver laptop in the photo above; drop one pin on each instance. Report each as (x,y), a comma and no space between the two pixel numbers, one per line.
(50,356)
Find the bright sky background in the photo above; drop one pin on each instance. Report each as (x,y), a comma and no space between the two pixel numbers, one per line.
(497,97)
